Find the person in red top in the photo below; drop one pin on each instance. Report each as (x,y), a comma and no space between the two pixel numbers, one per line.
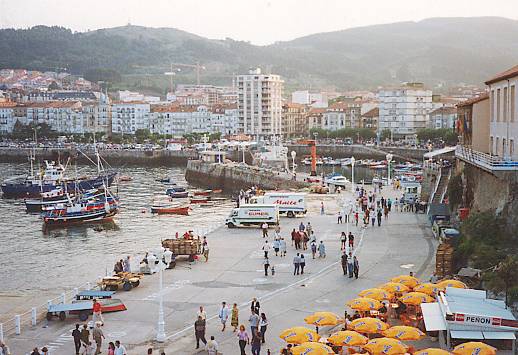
(97,315)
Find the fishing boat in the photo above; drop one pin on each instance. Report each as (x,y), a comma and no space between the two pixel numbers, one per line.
(179,194)
(201,199)
(125,178)
(170,190)
(170,209)
(202,193)
(166,180)
(217,191)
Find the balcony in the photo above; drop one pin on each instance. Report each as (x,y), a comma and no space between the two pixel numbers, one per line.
(485,161)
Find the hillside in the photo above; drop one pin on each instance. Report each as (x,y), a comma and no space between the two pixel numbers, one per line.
(444,51)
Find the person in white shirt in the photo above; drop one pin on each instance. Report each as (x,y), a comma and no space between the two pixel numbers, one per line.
(212,346)
(223,315)
(120,349)
(266,248)
(264,228)
(202,313)
(4,350)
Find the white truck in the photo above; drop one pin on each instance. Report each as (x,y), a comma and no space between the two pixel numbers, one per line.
(290,203)
(253,214)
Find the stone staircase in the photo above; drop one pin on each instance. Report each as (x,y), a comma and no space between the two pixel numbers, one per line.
(442,186)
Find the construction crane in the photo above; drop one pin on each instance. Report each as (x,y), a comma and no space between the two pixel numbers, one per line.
(313,145)
(196,66)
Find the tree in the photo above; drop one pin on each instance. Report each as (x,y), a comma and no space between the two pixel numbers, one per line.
(385,134)
(213,137)
(53,86)
(504,278)
(142,135)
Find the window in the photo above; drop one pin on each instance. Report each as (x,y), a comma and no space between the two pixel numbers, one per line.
(513,103)
(504,148)
(497,107)
(511,148)
(505,105)
(497,143)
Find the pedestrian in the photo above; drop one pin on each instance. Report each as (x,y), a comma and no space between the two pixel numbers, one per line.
(343,260)
(373,219)
(202,313)
(76,334)
(266,264)
(351,241)
(119,348)
(282,247)
(340,217)
(255,306)
(150,351)
(35,351)
(85,334)
(205,249)
(321,250)
(386,211)
(256,343)
(389,204)
(302,227)
(254,322)
(379,217)
(322,208)
(313,248)
(302,263)
(309,228)
(264,228)
(298,239)
(126,265)
(234,318)
(296,264)
(4,350)
(223,315)
(266,248)
(98,336)
(263,324)
(97,314)
(276,246)
(111,348)
(212,346)
(244,339)
(199,331)
(277,231)
(356,217)
(88,349)
(343,240)
(350,266)
(356,267)
(305,240)
(44,351)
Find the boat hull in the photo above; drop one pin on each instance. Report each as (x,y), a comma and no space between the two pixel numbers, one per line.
(184,211)
(95,216)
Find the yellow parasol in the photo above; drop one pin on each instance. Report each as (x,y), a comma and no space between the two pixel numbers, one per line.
(403,332)
(428,288)
(474,348)
(312,348)
(299,335)
(406,280)
(432,351)
(451,283)
(347,338)
(378,294)
(385,346)
(364,304)
(320,319)
(368,325)
(394,287)
(415,298)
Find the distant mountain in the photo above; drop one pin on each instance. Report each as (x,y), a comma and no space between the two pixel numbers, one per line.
(435,51)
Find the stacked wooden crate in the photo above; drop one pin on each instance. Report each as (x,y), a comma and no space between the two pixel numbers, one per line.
(444,260)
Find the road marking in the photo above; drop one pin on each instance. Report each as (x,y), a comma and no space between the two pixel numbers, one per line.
(407,266)
(174,286)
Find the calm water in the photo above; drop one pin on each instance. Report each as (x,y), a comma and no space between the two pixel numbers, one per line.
(33,260)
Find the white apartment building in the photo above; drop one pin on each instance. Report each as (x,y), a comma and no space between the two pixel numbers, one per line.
(128,117)
(342,115)
(443,117)
(259,103)
(503,108)
(403,110)
(314,99)
(7,118)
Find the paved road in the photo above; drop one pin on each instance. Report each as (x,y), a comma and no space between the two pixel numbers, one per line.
(234,274)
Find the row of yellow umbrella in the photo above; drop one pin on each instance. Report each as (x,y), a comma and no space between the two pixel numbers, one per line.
(413,282)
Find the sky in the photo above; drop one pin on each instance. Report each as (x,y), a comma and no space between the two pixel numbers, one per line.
(257,21)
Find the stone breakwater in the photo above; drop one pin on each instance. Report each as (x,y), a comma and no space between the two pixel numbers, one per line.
(233,177)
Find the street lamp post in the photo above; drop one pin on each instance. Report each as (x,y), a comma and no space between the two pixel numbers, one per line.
(293,155)
(352,173)
(389,160)
(164,255)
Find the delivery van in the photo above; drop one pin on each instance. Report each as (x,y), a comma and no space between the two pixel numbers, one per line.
(253,214)
(290,203)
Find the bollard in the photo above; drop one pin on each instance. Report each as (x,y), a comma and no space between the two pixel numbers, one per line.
(63,297)
(88,286)
(18,324)
(33,316)
(1,332)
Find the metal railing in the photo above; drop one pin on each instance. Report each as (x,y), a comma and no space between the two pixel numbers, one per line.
(484,160)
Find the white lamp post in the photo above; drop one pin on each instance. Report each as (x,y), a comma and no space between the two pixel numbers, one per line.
(389,160)
(352,173)
(293,155)
(160,335)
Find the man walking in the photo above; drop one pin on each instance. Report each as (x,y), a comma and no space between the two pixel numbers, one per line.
(264,228)
(321,250)
(97,315)
(339,217)
(254,322)
(350,266)
(212,346)
(379,217)
(296,264)
(223,315)
(76,334)
(343,240)
(266,264)
(98,336)
(343,259)
(266,248)
(351,241)
(119,348)
(199,331)
(356,267)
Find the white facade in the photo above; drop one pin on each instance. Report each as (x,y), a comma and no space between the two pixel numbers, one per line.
(404,110)
(128,117)
(314,99)
(260,104)
(503,99)
(7,119)
(341,115)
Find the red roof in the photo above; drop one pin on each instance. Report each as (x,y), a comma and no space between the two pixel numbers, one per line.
(473,100)
(375,112)
(508,74)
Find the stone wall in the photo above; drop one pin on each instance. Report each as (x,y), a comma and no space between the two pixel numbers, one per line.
(232,177)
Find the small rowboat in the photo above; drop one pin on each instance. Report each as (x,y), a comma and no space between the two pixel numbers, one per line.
(124,178)
(179,194)
(202,193)
(181,210)
(199,200)
(218,191)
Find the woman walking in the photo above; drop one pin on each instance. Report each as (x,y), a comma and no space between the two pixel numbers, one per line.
(111,348)
(302,264)
(234,320)
(244,339)
(263,324)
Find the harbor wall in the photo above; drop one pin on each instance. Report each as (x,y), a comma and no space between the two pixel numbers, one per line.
(114,157)
(233,177)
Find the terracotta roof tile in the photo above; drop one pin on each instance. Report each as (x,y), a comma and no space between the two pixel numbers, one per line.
(375,112)
(508,74)
(473,100)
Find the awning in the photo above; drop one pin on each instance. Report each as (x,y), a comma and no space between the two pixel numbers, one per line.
(437,152)
(499,335)
(466,334)
(433,318)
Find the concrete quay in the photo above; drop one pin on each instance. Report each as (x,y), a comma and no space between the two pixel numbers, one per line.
(234,274)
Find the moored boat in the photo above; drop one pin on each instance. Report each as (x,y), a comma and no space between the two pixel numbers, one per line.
(170,209)
(199,200)
(202,193)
